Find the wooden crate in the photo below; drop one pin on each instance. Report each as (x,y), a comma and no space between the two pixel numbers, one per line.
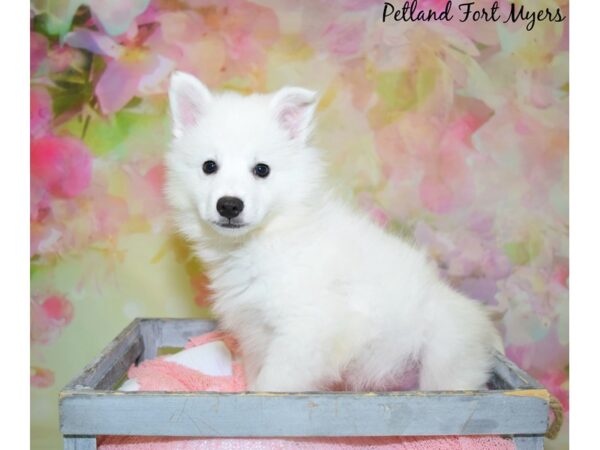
(515,405)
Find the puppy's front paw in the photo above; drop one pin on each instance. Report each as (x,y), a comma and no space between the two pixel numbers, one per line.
(268,381)
(275,380)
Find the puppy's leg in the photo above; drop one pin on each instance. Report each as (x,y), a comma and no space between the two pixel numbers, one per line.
(292,364)
(453,370)
(457,354)
(254,345)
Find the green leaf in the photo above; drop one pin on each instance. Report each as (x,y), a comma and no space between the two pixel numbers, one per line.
(396,90)
(517,253)
(67,97)
(427,78)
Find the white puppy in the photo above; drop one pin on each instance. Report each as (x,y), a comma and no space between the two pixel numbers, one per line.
(315,292)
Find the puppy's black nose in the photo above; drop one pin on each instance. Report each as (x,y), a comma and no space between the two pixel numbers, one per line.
(230,207)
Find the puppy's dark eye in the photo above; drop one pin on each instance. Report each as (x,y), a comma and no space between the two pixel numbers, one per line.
(209,167)
(261,170)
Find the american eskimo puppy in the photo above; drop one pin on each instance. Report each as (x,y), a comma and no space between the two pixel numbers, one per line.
(314,291)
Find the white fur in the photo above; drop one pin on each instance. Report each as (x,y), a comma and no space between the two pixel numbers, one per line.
(314,291)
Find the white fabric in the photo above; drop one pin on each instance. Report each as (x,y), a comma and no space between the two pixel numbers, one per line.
(212,359)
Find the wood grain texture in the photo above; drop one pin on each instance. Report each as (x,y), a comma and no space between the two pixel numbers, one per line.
(529,442)
(151,332)
(172,332)
(512,375)
(516,404)
(305,414)
(80,442)
(106,370)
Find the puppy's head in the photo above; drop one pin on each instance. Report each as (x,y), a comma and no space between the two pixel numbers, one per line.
(235,161)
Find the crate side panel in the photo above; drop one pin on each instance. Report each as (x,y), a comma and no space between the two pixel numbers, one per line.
(529,442)
(110,366)
(203,414)
(512,375)
(79,443)
(173,332)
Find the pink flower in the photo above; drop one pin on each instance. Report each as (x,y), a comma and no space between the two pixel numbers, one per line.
(41,378)
(181,40)
(560,274)
(152,191)
(434,5)
(469,30)
(113,16)
(62,58)
(155,177)
(37,51)
(40,111)
(131,68)
(398,151)
(125,77)
(468,256)
(437,194)
(344,39)
(225,40)
(447,183)
(61,166)
(547,360)
(110,213)
(358,5)
(48,317)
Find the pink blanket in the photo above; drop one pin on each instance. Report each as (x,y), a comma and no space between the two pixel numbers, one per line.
(354,443)
(191,370)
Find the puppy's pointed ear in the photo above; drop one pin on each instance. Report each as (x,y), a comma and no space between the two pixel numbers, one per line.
(294,109)
(188,99)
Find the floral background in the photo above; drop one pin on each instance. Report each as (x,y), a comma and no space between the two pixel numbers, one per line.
(454,134)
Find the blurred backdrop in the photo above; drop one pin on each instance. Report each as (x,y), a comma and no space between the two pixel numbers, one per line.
(452,134)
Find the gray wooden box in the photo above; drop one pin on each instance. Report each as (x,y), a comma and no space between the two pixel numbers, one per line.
(515,405)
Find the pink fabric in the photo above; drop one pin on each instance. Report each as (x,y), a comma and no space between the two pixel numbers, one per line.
(161,375)
(206,338)
(354,443)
